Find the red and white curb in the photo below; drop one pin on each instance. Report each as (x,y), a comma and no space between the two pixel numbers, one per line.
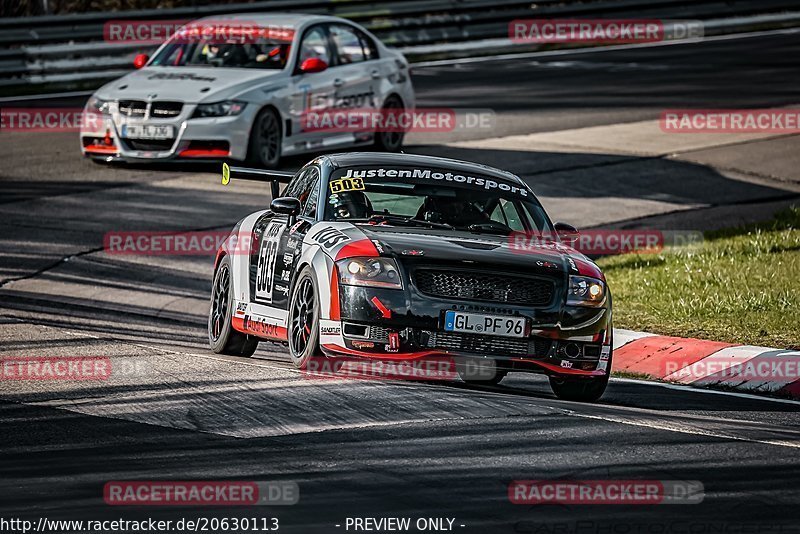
(697,362)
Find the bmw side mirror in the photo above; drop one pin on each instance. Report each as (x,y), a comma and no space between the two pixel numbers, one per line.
(286,206)
(567,233)
(313,64)
(140,60)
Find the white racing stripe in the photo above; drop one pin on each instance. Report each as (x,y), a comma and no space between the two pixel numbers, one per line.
(623,337)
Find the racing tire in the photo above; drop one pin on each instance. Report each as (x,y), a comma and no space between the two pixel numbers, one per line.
(586,389)
(266,137)
(390,141)
(221,335)
(477,372)
(581,389)
(303,327)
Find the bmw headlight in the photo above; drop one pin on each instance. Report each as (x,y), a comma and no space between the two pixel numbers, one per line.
(98,105)
(586,291)
(219,109)
(373,272)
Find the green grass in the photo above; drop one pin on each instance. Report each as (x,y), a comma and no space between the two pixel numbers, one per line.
(740,285)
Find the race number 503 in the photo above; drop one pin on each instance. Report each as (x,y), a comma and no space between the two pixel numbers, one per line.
(267,257)
(347,184)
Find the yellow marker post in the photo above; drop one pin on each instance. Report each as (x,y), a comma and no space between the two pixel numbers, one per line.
(226,174)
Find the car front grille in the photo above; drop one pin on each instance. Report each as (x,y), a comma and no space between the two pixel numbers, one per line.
(493,345)
(488,287)
(162,110)
(378,333)
(133,108)
(149,144)
(158,110)
(368,333)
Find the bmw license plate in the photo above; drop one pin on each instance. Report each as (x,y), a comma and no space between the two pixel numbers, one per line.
(147,131)
(489,325)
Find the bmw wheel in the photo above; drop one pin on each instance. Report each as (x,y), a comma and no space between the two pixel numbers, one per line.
(265,140)
(390,141)
(221,335)
(304,319)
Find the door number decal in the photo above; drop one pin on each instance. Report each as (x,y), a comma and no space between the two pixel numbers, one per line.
(267,257)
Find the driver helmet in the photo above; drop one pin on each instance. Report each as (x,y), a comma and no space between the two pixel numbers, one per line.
(350,205)
(225,53)
(216,50)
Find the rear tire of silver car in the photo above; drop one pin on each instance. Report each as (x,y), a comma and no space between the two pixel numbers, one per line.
(479,372)
(221,335)
(265,140)
(390,141)
(303,332)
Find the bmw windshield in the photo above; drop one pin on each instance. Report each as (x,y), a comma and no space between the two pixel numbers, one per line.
(435,198)
(229,44)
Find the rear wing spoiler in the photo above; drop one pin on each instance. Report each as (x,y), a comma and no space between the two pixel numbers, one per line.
(257,175)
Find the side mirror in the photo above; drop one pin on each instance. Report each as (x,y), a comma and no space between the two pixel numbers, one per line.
(286,206)
(567,233)
(313,64)
(140,60)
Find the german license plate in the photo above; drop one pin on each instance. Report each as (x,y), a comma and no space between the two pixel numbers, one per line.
(147,131)
(489,325)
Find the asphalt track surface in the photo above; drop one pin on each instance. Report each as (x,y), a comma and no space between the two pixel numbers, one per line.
(365,448)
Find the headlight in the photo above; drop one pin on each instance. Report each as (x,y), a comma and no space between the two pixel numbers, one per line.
(585,291)
(373,272)
(98,105)
(219,109)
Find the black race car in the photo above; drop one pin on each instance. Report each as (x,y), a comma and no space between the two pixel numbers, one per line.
(402,257)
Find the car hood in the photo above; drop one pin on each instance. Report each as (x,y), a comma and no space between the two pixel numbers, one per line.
(184,84)
(514,252)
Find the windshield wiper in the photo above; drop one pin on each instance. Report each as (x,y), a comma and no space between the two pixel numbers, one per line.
(399,219)
(489,228)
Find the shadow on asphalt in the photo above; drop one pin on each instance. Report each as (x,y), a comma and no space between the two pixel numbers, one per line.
(651,397)
(55,463)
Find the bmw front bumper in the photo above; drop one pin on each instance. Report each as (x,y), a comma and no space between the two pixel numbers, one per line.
(193,138)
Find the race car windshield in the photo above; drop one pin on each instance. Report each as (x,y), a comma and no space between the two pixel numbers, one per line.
(253,54)
(433,198)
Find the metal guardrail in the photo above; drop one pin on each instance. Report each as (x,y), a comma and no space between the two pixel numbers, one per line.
(48,53)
